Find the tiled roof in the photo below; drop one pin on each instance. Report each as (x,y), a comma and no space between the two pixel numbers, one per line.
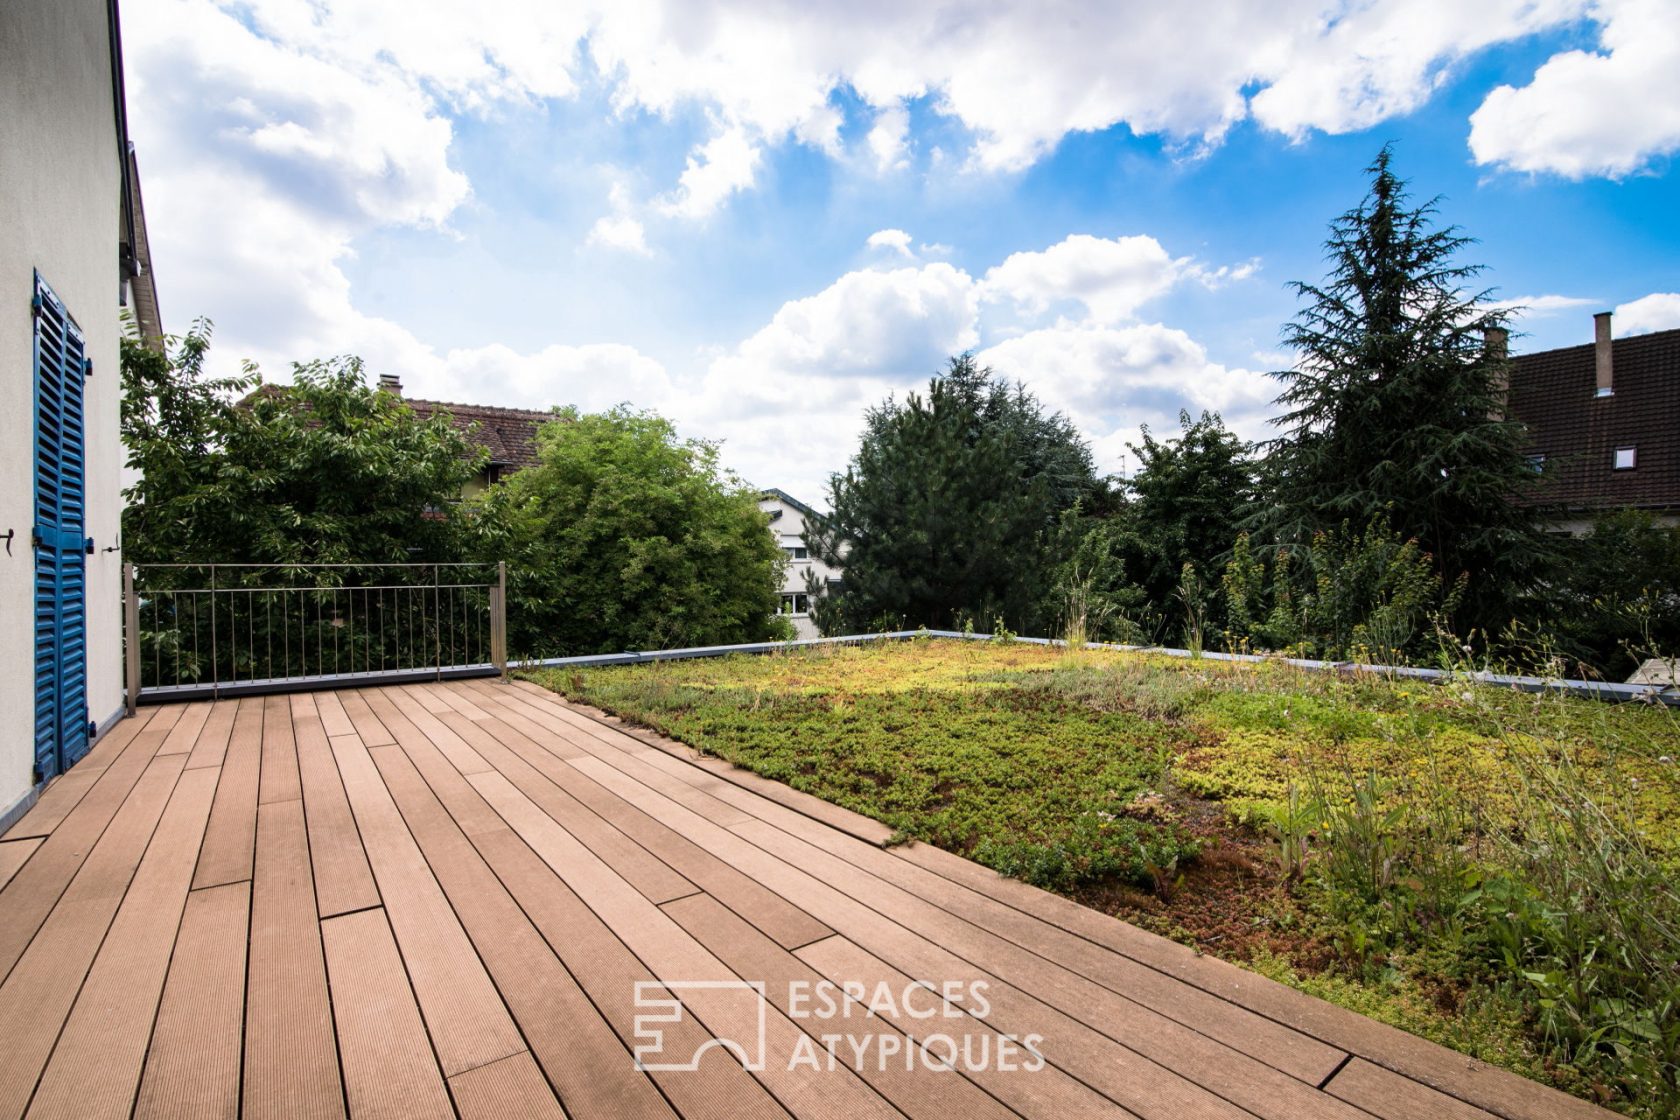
(509,434)
(1553,392)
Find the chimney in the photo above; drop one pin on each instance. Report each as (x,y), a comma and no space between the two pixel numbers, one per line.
(391,383)
(1601,353)
(1496,348)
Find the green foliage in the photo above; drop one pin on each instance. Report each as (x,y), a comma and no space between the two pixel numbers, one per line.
(1393,406)
(1366,595)
(947,509)
(627,537)
(1617,599)
(324,470)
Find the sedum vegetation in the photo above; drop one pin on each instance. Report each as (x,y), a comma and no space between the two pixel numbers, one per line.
(1494,870)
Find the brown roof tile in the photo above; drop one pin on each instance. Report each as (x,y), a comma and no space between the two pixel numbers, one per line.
(509,434)
(1577,432)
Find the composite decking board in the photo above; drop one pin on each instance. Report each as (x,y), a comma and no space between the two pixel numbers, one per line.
(65,793)
(343,880)
(330,708)
(1496,1090)
(569,745)
(511,1087)
(781,920)
(192,1065)
(364,723)
(603,967)
(756,958)
(230,841)
(184,734)
(279,752)
(673,955)
(291,1063)
(95,1067)
(456,700)
(26,901)
(1048,1092)
(582,1055)
(1392,1097)
(468,1022)
(1300,1055)
(210,748)
(14,854)
(1124,1076)
(38,993)
(644,870)
(604,725)
(108,746)
(412,723)
(390,1072)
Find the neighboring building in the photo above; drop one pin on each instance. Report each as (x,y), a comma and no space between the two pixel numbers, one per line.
(508,434)
(1603,423)
(787,522)
(72,249)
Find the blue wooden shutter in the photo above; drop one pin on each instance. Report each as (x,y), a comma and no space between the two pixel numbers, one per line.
(61,707)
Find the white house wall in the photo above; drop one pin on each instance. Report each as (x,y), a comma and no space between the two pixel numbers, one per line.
(60,197)
(789,530)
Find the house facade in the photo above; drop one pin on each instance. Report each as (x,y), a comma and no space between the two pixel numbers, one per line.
(508,435)
(70,256)
(787,522)
(1603,422)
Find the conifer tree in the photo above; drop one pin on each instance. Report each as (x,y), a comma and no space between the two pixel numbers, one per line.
(1394,407)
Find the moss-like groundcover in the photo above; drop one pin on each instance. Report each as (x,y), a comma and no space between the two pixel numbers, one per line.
(1490,869)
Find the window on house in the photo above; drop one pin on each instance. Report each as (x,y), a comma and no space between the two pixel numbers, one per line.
(1537,463)
(797,552)
(795,603)
(1624,459)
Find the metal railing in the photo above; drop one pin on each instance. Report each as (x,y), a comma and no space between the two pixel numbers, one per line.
(196,630)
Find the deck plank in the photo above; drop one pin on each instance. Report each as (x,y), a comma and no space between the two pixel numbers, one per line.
(1392,1097)
(511,1087)
(14,854)
(291,1064)
(674,955)
(192,1067)
(210,748)
(37,996)
(582,1055)
(781,920)
(390,1072)
(279,753)
(469,1024)
(413,724)
(230,841)
(96,1066)
(343,879)
(185,733)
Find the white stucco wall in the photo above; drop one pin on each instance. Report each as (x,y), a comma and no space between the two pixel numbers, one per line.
(789,530)
(60,197)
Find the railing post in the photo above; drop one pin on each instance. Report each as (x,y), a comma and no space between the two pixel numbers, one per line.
(131,638)
(498,619)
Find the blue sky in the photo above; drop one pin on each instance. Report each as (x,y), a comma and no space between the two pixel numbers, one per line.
(758,219)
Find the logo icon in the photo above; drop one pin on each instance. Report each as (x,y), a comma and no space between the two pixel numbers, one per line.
(660,1003)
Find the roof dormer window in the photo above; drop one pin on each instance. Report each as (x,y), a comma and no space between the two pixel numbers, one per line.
(1624,459)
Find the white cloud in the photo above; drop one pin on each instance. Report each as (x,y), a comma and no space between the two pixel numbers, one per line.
(889,139)
(895,239)
(1542,305)
(1112,379)
(1659,311)
(619,229)
(1369,62)
(718,168)
(1585,113)
(1109,277)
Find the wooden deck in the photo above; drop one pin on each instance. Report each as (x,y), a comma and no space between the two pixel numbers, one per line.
(439,900)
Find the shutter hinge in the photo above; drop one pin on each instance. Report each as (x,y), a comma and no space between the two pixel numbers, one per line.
(87,545)
(35,304)
(87,367)
(93,729)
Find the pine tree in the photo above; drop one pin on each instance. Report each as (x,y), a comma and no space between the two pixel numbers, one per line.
(1394,408)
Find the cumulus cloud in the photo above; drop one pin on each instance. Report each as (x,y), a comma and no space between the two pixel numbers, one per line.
(1659,311)
(894,239)
(1606,112)
(1110,278)
(619,229)
(721,166)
